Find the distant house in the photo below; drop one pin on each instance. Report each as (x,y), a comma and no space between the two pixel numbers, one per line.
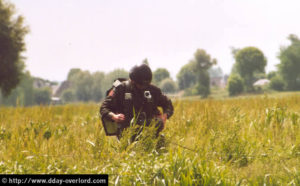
(42,83)
(54,89)
(218,81)
(57,91)
(217,77)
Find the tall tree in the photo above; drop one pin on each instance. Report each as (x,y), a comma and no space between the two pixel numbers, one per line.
(97,87)
(72,73)
(203,62)
(289,67)
(23,94)
(84,86)
(159,75)
(145,61)
(42,96)
(12,33)
(167,85)
(249,60)
(186,77)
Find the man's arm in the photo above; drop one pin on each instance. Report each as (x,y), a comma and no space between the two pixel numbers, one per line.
(109,107)
(166,104)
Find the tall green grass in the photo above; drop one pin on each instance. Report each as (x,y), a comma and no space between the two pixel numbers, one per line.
(244,141)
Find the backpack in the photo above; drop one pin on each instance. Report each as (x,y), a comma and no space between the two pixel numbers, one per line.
(112,128)
(116,83)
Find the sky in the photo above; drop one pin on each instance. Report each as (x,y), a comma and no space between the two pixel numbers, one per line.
(103,35)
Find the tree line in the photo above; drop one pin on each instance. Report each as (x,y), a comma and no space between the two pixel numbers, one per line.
(250,65)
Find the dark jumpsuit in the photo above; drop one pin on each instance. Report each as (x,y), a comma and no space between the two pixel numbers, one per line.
(126,99)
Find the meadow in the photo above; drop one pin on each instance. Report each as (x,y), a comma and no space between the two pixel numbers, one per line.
(238,141)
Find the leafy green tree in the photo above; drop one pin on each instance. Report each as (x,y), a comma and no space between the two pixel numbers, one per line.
(249,60)
(203,85)
(72,73)
(68,96)
(145,61)
(42,96)
(272,74)
(83,86)
(90,87)
(235,85)
(289,67)
(81,83)
(168,85)
(97,92)
(12,33)
(159,75)
(186,77)
(259,75)
(203,62)
(277,83)
(22,94)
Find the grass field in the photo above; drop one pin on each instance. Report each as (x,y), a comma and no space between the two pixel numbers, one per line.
(241,141)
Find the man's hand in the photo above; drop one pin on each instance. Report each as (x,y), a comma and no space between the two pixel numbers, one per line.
(163,117)
(117,117)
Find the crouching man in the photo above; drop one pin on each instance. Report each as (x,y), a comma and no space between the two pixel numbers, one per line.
(135,97)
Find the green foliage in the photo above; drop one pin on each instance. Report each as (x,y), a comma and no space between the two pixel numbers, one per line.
(68,96)
(203,85)
(12,33)
(159,75)
(234,148)
(258,76)
(97,86)
(249,60)
(168,86)
(186,77)
(277,83)
(23,94)
(192,91)
(289,67)
(235,85)
(86,86)
(42,96)
(194,77)
(272,74)
(111,76)
(145,61)
(202,62)
(83,86)
(72,74)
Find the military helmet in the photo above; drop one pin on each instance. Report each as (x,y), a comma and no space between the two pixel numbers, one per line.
(141,74)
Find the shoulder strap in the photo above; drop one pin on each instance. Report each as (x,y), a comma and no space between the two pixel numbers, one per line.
(115,84)
(127,87)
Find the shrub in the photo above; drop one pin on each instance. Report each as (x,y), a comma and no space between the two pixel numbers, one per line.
(42,96)
(235,85)
(168,86)
(68,96)
(277,83)
(202,90)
